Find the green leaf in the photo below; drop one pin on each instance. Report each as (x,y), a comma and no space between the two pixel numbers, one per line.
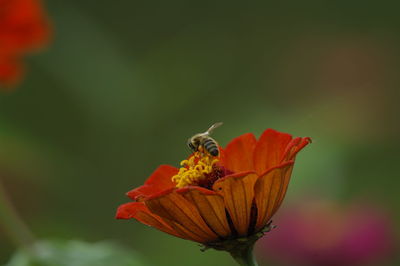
(75,253)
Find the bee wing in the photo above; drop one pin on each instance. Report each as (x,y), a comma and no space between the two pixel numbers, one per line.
(211,129)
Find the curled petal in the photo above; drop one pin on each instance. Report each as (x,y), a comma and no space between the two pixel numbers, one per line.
(239,153)
(180,213)
(159,180)
(238,193)
(269,191)
(296,145)
(140,212)
(269,150)
(211,207)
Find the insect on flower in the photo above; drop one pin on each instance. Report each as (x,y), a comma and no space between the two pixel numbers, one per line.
(203,141)
(224,201)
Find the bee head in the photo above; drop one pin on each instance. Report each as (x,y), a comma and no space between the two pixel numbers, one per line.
(195,141)
(191,145)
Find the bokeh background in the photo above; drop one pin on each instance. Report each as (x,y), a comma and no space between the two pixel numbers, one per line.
(125,83)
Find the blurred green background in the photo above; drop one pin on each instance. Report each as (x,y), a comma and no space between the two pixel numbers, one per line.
(125,83)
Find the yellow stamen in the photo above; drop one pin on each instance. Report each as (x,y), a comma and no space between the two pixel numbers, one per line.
(194,169)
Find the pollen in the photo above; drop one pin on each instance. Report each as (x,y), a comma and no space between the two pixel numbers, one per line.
(195,170)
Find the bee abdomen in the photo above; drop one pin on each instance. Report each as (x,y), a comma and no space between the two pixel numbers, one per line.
(211,146)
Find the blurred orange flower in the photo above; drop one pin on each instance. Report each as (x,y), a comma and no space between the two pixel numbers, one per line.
(236,198)
(23,28)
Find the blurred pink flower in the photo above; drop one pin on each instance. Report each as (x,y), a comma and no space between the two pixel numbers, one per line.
(324,233)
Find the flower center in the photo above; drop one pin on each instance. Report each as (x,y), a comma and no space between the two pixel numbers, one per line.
(200,169)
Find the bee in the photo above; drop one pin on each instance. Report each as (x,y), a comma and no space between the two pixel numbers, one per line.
(203,141)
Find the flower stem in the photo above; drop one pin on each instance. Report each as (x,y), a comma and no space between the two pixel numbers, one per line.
(13,224)
(244,255)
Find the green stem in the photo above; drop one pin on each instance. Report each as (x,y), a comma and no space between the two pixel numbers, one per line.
(13,224)
(244,255)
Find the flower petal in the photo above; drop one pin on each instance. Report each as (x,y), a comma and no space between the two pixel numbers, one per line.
(210,206)
(269,150)
(186,232)
(140,212)
(238,193)
(239,153)
(176,208)
(159,180)
(284,187)
(269,192)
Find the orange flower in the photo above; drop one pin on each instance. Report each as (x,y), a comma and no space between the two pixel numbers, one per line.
(23,28)
(214,200)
